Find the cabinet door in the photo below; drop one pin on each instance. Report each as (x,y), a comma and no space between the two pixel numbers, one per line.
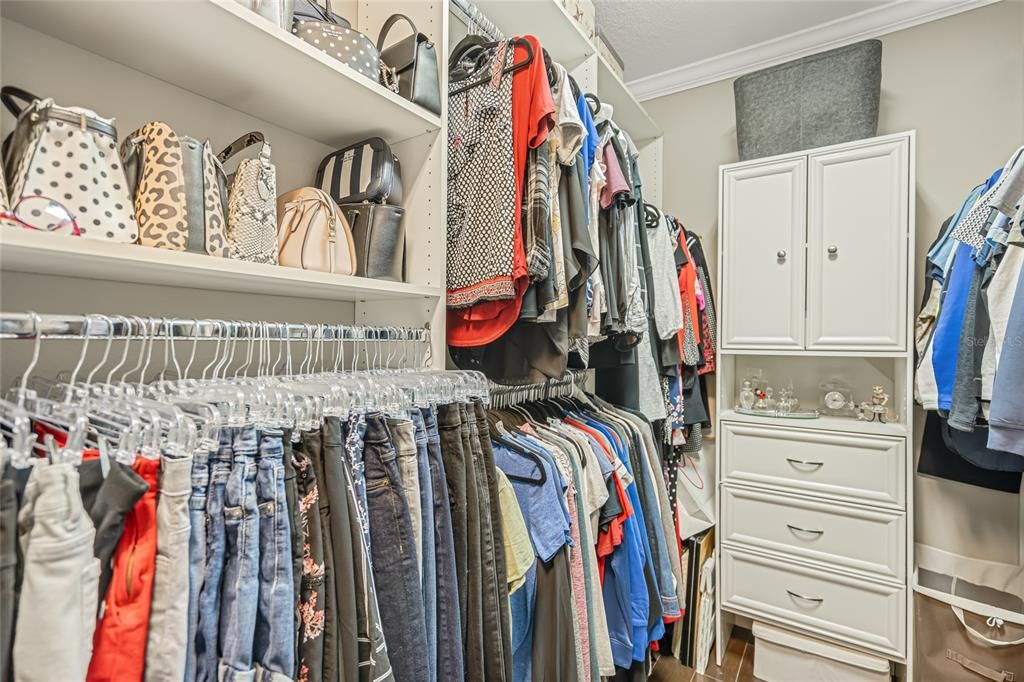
(857,247)
(763,221)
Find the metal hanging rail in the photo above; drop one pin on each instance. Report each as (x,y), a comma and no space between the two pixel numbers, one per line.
(504,395)
(476,19)
(33,325)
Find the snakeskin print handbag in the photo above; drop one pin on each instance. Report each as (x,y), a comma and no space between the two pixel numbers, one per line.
(252,202)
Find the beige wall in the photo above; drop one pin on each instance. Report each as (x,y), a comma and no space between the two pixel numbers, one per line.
(960,83)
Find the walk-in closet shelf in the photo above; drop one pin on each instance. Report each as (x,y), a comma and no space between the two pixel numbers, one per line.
(35,252)
(562,36)
(196,45)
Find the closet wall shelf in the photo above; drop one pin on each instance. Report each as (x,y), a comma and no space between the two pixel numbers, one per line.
(558,32)
(629,113)
(229,54)
(567,44)
(822,423)
(23,250)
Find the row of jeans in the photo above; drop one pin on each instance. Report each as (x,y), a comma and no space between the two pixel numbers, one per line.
(282,541)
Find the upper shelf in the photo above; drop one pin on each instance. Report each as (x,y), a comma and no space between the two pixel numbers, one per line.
(629,114)
(567,44)
(24,250)
(194,44)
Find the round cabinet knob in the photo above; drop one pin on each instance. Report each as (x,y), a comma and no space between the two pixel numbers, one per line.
(833,250)
(781,255)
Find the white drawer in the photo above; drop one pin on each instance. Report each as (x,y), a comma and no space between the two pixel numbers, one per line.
(850,536)
(860,468)
(854,610)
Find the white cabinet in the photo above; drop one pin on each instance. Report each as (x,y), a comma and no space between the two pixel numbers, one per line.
(815,527)
(814,249)
(763,293)
(857,247)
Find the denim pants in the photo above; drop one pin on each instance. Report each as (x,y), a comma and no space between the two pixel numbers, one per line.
(403,438)
(196,549)
(449,424)
(311,598)
(395,567)
(312,446)
(476,527)
(240,589)
(273,641)
(208,631)
(53,637)
(447,635)
(291,494)
(337,489)
(166,643)
(428,564)
(497,619)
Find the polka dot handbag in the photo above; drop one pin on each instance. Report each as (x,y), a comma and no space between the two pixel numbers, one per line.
(345,44)
(69,155)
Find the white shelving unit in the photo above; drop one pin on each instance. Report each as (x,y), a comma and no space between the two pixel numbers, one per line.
(213,69)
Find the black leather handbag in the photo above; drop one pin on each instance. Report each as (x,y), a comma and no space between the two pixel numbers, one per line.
(364,172)
(378,232)
(412,63)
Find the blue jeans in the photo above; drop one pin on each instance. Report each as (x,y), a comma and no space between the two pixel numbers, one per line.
(448,635)
(395,565)
(273,645)
(196,551)
(208,628)
(240,591)
(427,553)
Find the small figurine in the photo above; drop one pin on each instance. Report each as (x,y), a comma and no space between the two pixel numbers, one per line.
(877,408)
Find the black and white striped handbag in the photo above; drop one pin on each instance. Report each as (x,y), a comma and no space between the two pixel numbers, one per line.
(365,172)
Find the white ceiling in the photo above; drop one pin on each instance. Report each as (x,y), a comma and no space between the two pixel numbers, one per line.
(653,36)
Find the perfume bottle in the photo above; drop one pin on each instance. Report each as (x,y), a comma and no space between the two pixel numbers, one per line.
(747,396)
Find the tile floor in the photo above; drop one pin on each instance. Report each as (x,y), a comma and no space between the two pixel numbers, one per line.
(737,666)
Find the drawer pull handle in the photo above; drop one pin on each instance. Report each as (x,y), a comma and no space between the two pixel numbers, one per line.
(804,462)
(816,600)
(798,529)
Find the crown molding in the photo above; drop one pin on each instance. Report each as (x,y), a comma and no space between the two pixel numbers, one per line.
(870,23)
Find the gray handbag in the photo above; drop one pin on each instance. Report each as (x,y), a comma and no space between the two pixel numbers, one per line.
(335,37)
(815,101)
(412,62)
(378,231)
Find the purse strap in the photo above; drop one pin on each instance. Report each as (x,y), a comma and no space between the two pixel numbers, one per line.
(9,94)
(244,142)
(386,28)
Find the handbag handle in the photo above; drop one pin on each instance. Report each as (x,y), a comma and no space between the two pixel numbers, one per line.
(10,93)
(245,141)
(386,28)
(959,613)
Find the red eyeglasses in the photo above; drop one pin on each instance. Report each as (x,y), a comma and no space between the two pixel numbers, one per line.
(43,214)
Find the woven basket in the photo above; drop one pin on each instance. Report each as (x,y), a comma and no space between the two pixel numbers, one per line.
(824,99)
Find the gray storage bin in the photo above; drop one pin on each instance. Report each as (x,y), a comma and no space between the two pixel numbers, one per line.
(824,99)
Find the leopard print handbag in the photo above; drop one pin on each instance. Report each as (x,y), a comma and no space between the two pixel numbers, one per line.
(177,185)
(252,202)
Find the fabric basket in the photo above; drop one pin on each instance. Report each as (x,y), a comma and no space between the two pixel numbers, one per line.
(824,99)
(969,618)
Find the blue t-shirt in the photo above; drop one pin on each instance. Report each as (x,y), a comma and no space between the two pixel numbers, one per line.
(547,521)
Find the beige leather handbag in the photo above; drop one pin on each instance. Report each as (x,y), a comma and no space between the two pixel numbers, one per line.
(313,234)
